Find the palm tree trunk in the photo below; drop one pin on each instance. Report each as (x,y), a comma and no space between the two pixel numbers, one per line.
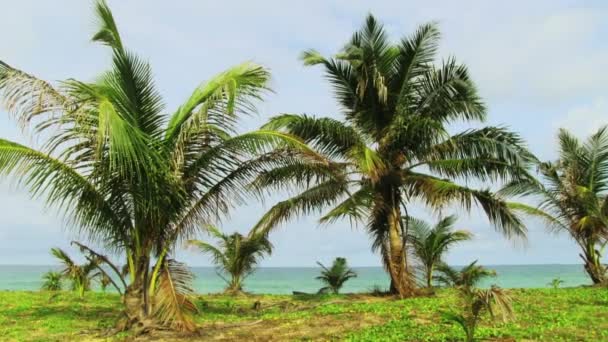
(136,299)
(429,277)
(401,281)
(593,266)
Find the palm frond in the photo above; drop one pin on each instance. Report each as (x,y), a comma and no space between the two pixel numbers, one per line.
(108,31)
(62,188)
(174,296)
(233,90)
(26,97)
(436,193)
(310,200)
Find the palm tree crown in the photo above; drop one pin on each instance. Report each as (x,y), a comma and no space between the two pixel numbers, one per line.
(395,146)
(431,243)
(571,195)
(235,254)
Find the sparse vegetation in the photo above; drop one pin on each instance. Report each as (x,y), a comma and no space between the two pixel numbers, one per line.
(579,314)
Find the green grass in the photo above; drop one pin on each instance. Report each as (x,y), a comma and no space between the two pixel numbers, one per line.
(579,314)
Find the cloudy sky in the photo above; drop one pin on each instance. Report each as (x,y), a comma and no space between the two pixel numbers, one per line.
(540,65)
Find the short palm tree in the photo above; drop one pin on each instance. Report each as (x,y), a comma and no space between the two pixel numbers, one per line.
(235,255)
(52,281)
(80,276)
(335,276)
(571,196)
(129,175)
(431,243)
(475,302)
(394,146)
(556,283)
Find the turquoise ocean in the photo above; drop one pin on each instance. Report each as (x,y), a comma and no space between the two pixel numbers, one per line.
(284,280)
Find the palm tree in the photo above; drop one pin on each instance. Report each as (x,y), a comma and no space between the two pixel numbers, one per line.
(469,276)
(80,276)
(571,196)
(235,255)
(335,277)
(394,146)
(431,244)
(556,283)
(475,302)
(52,281)
(132,178)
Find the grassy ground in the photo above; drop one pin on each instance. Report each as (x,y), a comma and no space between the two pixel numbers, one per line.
(579,314)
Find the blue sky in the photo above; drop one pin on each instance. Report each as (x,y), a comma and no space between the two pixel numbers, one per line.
(540,65)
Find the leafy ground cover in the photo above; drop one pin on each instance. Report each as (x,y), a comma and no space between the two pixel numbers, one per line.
(571,314)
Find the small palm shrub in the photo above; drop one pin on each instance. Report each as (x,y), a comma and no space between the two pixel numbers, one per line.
(52,281)
(80,276)
(474,302)
(556,283)
(235,255)
(431,243)
(335,276)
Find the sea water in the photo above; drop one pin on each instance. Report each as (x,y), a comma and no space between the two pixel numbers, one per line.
(285,280)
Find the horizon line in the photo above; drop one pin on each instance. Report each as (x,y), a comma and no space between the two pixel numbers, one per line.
(355,266)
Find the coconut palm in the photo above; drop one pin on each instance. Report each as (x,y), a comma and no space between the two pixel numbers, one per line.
(394,146)
(132,177)
(335,276)
(52,281)
(80,276)
(235,255)
(570,196)
(431,243)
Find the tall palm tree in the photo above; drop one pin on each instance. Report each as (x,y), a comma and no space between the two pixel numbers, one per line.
(335,276)
(80,276)
(395,146)
(571,196)
(131,177)
(431,243)
(235,255)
